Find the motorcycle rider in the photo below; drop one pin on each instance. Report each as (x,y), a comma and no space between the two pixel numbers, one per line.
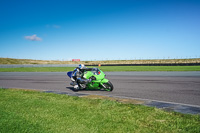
(77,75)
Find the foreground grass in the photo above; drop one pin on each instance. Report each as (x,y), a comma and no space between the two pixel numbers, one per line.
(35,112)
(105,68)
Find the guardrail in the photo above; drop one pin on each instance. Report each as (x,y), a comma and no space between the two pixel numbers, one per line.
(38,65)
(156,64)
(75,65)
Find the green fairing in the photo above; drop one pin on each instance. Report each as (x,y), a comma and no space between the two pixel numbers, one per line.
(99,82)
(104,81)
(87,74)
(100,77)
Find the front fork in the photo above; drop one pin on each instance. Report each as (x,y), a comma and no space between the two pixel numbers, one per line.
(104,81)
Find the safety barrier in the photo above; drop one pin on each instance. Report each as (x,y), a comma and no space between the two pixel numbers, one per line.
(155,64)
(75,65)
(38,65)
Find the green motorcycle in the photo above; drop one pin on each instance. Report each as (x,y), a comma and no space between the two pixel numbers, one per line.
(90,79)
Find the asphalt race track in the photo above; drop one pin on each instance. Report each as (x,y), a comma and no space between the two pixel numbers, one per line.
(178,87)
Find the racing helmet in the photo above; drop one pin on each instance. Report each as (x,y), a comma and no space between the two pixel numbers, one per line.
(81,66)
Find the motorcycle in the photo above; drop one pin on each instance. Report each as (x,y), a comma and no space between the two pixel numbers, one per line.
(93,78)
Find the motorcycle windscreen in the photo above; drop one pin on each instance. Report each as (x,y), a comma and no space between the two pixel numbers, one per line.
(70,74)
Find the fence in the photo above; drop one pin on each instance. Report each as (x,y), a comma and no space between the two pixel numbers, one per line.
(75,65)
(39,65)
(152,64)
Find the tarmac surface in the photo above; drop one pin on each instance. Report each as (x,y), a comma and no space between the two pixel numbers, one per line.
(179,91)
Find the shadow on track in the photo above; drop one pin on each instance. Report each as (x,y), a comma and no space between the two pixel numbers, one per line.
(72,89)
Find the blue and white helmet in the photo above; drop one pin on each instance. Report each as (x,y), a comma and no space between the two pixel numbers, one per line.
(81,66)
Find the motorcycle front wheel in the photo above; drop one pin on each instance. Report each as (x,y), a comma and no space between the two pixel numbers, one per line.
(108,86)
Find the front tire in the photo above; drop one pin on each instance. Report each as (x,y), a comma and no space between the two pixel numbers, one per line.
(109,86)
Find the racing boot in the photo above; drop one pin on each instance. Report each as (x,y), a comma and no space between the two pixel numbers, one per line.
(76,87)
(73,83)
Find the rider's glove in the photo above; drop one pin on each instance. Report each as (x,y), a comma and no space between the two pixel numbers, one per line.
(72,79)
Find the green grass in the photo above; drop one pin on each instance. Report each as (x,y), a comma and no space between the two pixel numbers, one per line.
(35,112)
(105,68)
(38,69)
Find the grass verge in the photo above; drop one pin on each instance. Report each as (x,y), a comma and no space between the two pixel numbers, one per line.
(31,111)
(104,68)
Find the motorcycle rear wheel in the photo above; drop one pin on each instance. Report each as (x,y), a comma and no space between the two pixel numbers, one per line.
(109,86)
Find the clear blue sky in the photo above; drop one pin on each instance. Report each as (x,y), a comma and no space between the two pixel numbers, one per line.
(99,29)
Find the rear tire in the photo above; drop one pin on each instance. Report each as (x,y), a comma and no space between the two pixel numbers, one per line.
(76,88)
(109,86)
